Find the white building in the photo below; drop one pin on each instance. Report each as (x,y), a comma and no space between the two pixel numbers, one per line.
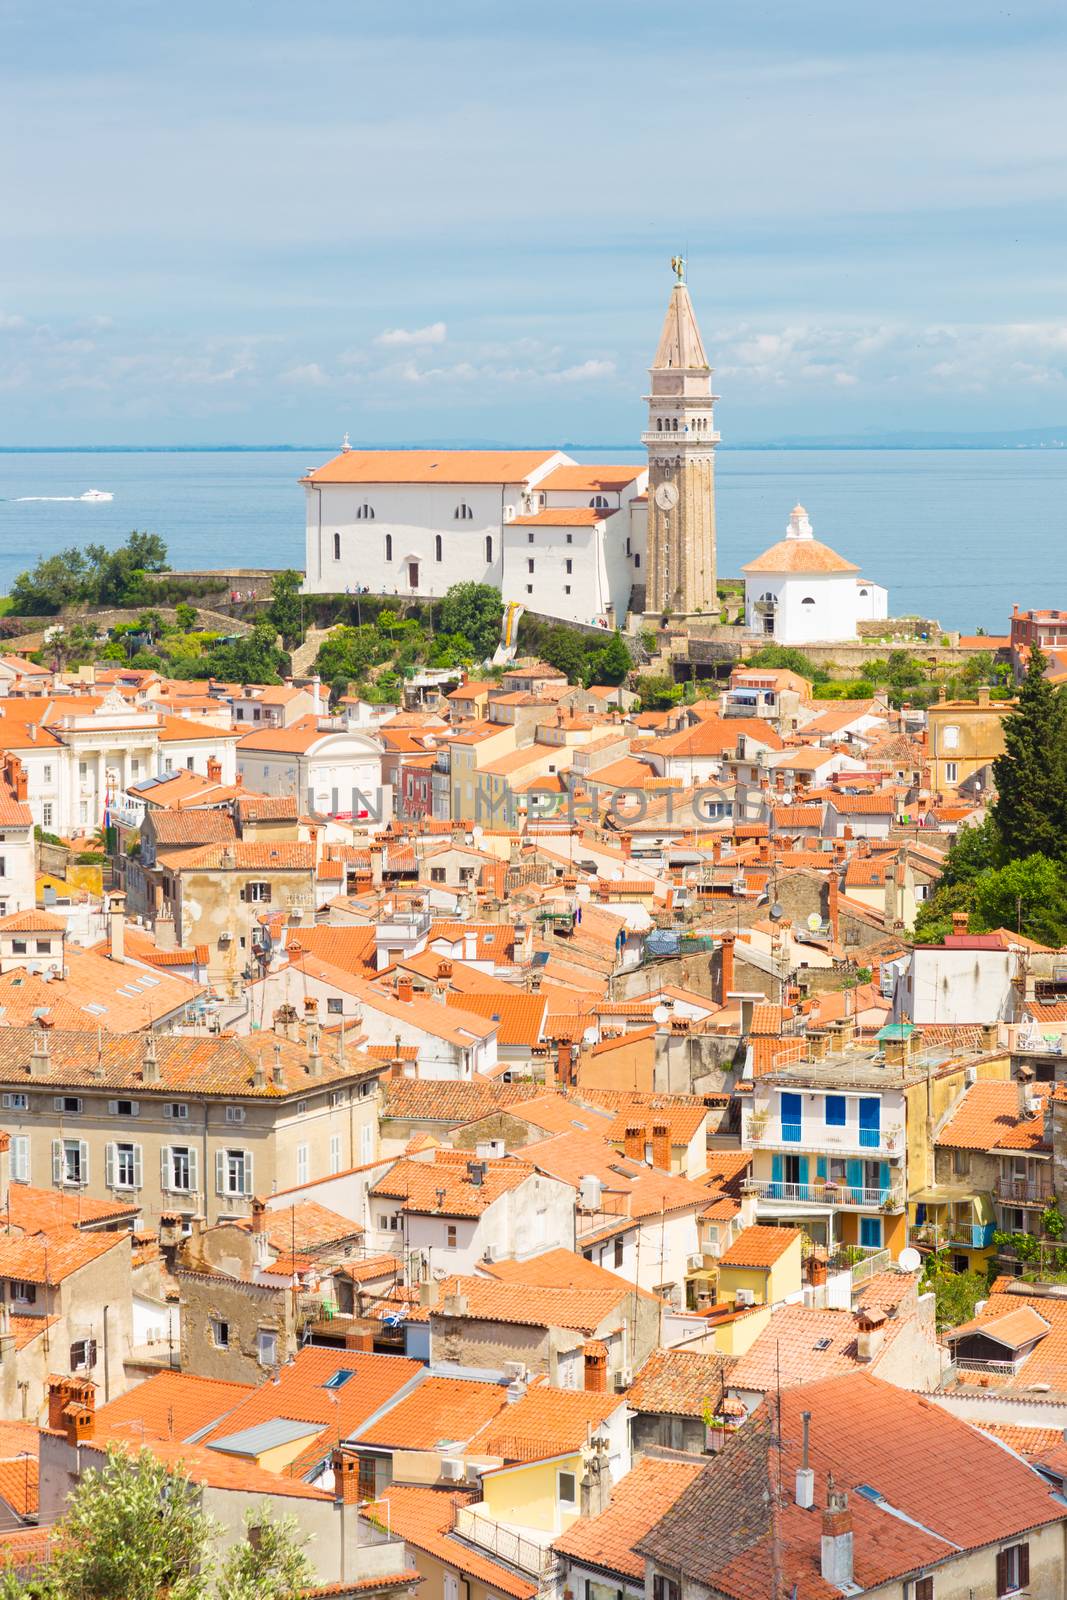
(562,539)
(18,856)
(801,592)
(331,767)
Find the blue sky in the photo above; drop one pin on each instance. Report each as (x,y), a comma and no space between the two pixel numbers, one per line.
(263,222)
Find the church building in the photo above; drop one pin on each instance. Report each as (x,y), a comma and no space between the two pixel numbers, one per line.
(579,543)
(802,592)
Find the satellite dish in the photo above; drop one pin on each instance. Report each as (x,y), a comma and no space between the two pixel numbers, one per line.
(814,921)
(615,874)
(582,891)
(909,1260)
(477,833)
(777,912)
(660,1015)
(590,1036)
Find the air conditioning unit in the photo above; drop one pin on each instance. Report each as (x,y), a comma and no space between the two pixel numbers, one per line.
(695,1263)
(970,1076)
(623,1378)
(453,1470)
(745,1297)
(515,1371)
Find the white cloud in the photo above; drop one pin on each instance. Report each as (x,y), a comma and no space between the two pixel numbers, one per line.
(310,376)
(585,372)
(433,333)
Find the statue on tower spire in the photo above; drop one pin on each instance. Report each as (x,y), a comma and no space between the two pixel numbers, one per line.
(678,267)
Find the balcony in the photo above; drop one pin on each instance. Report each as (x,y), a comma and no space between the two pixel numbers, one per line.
(818,1136)
(1025,1192)
(506,1544)
(838,1195)
(946,1235)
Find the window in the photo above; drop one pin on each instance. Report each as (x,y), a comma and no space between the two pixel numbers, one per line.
(123,1108)
(339,1097)
(463,512)
(1013,1568)
(599,502)
(568,566)
(871,1233)
(46,814)
(179,1169)
(337,547)
(617,1260)
(437,875)
(220,1333)
(83,1355)
(961,1163)
(42,947)
(950,737)
(530,537)
(951,772)
(123,1166)
(530,565)
(807,601)
(15,1102)
(450,1236)
(637,561)
(388,547)
(438,548)
(257,893)
(176,1109)
(267,1347)
(368,1484)
(24,1293)
(338,1379)
(566,588)
(46,774)
(529,588)
(20,1158)
(570,538)
(70,1162)
(835,1110)
(233,1171)
(489,548)
(334,1005)
(83,770)
(68,1104)
(302,1163)
(664,1588)
(235,1113)
(365,513)
(335,1152)
(567,1490)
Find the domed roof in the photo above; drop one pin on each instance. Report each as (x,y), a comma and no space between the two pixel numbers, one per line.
(800,552)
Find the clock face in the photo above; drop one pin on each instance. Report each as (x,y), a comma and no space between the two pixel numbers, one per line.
(666,496)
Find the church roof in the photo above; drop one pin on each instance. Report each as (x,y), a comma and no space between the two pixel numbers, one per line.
(432,466)
(799,552)
(585,479)
(680,344)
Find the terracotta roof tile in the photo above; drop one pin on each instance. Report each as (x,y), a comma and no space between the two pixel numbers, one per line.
(989,1117)
(677,1383)
(170,1405)
(547,1422)
(759,1246)
(439,1412)
(445,1188)
(638,1502)
(431,466)
(423,1519)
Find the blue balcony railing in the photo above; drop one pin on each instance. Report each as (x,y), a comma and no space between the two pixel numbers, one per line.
(791,1132)
(870,1138)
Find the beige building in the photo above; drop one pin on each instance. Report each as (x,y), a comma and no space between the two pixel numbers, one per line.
(187,1126)
(681,442)
(216,893)
(963,738)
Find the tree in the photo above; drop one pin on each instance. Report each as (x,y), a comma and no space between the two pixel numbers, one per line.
(94,576)
(613,664)
(955,1293)
(185,616)
(658,693)
(474,610)
(286,611)
(562,649)
(269,1565)
(134,1531)
(974,850)
(1031,775)
(1029,896)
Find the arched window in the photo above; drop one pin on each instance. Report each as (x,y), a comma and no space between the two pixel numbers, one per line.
(599,502)
(438,548)
(337,547)
(365,513)
(388,547)
(463,512)
(674,425)
(659,424)
(807,600)
(489,548)
(950,738)
(863,594)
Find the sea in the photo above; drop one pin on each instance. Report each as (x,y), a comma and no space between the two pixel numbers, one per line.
(956,536)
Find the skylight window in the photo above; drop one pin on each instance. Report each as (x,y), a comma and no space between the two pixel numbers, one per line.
(94,1010)
(340,1378)
(823,1344)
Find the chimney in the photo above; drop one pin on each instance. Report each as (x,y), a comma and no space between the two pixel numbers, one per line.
(596,1366)
(870,1333)
(983,695)
(818,1044)
(214,769)
(429,1292)
(626,844)
(990,1032)
(633,1141)
(661,1146)
(40,1056)
(404,988)
(314,1058)
(259,1076)
(166,938)
(961,922)
(805,1495)
(117,926)
(836,1562)
(259,1214)
(455,1305)
(832,904)
(277,1071)
(726,966)
(149,1061)
(470,946)
(596,1479)
(345,1464)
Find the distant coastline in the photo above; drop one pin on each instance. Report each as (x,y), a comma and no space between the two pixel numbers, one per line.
(1043,441)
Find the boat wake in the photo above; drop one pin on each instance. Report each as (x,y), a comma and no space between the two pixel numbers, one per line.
(90,495)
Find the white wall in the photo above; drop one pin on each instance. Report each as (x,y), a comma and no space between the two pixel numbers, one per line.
(956,986)
(833,616)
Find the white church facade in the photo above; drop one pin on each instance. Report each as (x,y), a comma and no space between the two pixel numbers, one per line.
(558,537)
(801,592)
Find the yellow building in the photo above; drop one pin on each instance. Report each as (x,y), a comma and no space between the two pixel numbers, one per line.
(762,1267)
(963,737)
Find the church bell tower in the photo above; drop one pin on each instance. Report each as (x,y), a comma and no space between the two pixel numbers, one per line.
(681,442)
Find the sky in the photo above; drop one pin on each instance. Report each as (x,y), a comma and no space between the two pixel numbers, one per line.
(427,222)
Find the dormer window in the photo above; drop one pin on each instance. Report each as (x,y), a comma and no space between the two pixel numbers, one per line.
(463,512)
(599,502)
(365,513)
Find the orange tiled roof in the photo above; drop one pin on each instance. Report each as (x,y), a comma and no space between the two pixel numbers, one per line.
(990,1117)
(520,1016)
(445,1188)
(438,1413)
(607,1541)
(547,1422)
(425,1099)
(431,466)
(170,1405)
(759,1246)
(801,556)
(677,1383)
(49,1258)
(423,1519)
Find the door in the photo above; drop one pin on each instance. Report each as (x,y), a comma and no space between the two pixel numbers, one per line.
(870,1123)
(791,1115)
(413,574)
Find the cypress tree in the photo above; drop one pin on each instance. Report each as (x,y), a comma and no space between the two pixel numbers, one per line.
(1031,775)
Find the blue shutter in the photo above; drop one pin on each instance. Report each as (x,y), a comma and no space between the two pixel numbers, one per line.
(776,1177)
(871,1233)
(854,1174)
(820,1166)
(883,1176)
(870,1123)
(802,1170)
(791,1114)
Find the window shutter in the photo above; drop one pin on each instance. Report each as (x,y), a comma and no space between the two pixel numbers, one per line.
(135,1108)
(138,1168)
(57,1161)
(168,1109)
(194,1176)
(109,1165)
(164,1166)
(244,891)
(84,1153)
(1024,1566)
(266,893)
(58,1102)
(248,1172)
(220,1171)
(21,1147)
(1002,1572)
(112,1108)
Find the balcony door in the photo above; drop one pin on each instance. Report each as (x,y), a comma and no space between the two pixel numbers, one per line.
(870,1123)
(792,1113)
